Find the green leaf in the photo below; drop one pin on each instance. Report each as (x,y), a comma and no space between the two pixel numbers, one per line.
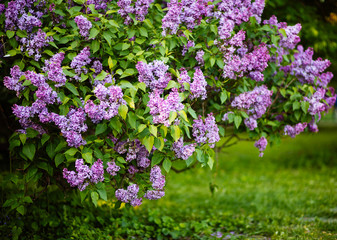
(141,127)
(101,75)
(123,110)
(175,133)
(93,33)
(223,96)
(143,32)
(283,32)
(95,46)
(21,209)
(156,159)
(153,130)
(237,121)
(23,138)
(102,193)
(59,159)
(159,143)
(210,162)
(167,165)
(29,150)
(101,128)
(71,151)
(183,114)
(87,157)
(192,113)
(172,116)
(296,105)
(83,194)
(44,139)
(148,142)
(10,33)
(305,106)
(94,198)
(72,88)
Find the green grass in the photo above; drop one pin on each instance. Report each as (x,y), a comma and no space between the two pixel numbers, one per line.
(290,193)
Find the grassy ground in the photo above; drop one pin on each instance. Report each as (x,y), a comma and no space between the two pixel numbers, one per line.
(290,193)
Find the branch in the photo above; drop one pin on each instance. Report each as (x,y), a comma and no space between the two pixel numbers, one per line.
(184,169)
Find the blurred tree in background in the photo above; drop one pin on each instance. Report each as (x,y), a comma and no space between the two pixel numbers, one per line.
(319,25)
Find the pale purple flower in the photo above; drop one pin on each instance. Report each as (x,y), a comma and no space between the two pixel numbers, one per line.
(206,131)
(181,151)
(261,144)
(83,24)
(198,86)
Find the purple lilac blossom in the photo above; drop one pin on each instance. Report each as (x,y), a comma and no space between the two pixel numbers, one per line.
(154,194)
(292,131)
(160,108)
(198,86)
(183,78)
(261,144)
(138,7)
(188,12)
(255,102)
(129,195)
(320,102)
(199,57)
(110,99)
(252,64)
(71,126)
(2,8)
(307,70)
(154,74)
(233,13)
(181,151)
(84,175)
(99,4)
(189,44)
(54,69)
(27,22)
(83,24)
(206,131)
(35,42)
(80,61)
(12,82)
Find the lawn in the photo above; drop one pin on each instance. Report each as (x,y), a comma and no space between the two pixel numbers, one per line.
(290,193)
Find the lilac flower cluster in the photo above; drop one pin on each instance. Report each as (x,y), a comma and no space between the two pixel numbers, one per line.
(307,70)
(158,184)
(189,44)
(181,151)
(35,42)
(206,131)
(199,57)
(261,144)
(13,82)
(99,4)
(54,70)
(80,61)
(130,195)
(140,9)
(198,86)
(71,126)
(83,24)
(183,78)
(112,168)
(154,74)
(110,98)
(291,39)
(84,175)
(252,64)
(255,102)
(320,102)
(292,131)
(160,108)
(188,12)
(27,22)
(2,8)
(234,12)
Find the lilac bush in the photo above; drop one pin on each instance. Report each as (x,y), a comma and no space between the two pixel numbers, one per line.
(114,95)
